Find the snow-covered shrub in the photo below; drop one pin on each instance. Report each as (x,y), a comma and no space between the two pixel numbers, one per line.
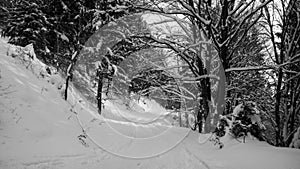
(14,51)
(238,129)
(244,119)
(296,140)
(29,51)
(28,57)
(216,141)
(25,54)
(220,130)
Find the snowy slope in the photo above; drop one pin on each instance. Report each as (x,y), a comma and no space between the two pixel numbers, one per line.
(38,129)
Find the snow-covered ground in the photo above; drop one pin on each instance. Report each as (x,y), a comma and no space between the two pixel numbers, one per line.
(39,130)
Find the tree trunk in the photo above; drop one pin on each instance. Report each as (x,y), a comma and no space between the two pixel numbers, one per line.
(199,120)
(180,120)
(70,72)
(223,50)
(99,94)
(186,114)
(204,88)
(294,97)
(206,99)
(277,107)
(294,103)
(287,110)
(67,86)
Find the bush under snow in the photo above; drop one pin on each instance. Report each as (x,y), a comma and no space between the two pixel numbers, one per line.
(245,119)
(27,56)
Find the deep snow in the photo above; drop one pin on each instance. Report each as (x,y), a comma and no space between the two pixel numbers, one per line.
(38,129)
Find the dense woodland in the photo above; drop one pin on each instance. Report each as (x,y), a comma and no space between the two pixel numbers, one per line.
(253,58)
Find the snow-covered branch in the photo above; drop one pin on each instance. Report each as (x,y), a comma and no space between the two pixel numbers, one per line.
(250,68)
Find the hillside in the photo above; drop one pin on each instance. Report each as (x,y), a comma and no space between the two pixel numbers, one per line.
(39,130)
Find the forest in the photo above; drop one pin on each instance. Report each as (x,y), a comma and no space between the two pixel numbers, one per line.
(214,62)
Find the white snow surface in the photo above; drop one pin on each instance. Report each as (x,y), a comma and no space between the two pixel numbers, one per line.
(39,130)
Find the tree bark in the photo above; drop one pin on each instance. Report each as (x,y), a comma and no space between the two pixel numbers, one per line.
(277,107)
(99,94)
(67,86)
(70,71)
(204,88)
(199,119)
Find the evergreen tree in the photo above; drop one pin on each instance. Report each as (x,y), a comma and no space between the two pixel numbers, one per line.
(58,29)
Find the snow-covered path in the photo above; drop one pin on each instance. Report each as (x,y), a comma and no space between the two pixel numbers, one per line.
(39,130)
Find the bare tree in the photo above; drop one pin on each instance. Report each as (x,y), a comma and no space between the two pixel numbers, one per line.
(225,22)
(282,27)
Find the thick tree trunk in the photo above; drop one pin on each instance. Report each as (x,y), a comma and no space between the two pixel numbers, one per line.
(223,50)
(206,99)
(204,88)
(199,120)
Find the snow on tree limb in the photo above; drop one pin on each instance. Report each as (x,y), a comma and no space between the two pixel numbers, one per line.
(198,78)
(250,68)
